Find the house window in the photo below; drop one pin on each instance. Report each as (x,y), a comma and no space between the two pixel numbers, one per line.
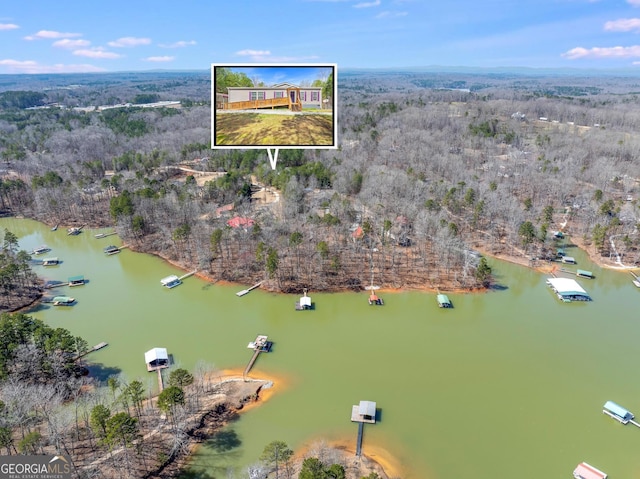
(256,95)
(278,94)
(315,96)
(303,95)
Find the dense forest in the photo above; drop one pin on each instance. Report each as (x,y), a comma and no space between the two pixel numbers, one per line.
(430,168)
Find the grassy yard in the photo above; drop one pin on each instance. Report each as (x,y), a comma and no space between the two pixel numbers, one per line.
(248,129)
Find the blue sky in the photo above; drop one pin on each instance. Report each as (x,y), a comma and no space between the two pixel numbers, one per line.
(293,74)
(41,36)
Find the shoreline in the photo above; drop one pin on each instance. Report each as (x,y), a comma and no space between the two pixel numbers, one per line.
(375,459)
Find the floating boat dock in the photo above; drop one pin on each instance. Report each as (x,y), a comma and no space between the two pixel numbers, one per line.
(618,413)
(50,262)
(111,249)
(76,280)
(304,303)
(74,230)
(374,299)
(171,281)
(40,250)
(248,290)
(581,273)
(55,284)
(444,301)
(260,345)
(95,348)
(362,413)
(104,235)
(568,290)
(63,301)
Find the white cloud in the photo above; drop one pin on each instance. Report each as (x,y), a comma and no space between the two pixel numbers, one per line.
(97,52)
(253,53)
(165,58)
(635,3)
(129,42)
(29,66)
(180,44)
(51,35)
(388,14)
(623,25)
(265,56)
(8,26)
(68,43)
(375,3)
(603,52)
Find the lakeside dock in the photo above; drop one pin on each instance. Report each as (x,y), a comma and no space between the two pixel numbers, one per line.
(104,235)
(260,345)
(248,290)
(94,348)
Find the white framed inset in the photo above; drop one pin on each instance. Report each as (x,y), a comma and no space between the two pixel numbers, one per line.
(243,93)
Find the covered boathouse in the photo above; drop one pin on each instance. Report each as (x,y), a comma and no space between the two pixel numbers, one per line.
(568,289)
(586,471)
(617,412)
(364,412)
(156,358)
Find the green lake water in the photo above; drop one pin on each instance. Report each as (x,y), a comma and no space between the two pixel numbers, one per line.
(506,384)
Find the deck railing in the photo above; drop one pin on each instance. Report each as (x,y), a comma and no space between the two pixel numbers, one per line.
(248,105)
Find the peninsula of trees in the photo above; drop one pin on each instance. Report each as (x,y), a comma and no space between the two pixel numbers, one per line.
(430,168)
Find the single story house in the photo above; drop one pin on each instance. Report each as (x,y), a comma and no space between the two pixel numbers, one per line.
(310,97)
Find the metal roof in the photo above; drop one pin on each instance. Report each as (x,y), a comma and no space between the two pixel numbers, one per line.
(156,354)
(587,471)
(443,298)
(617,409)
(566,286)
(367,408)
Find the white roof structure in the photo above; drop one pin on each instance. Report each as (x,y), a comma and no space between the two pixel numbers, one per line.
(305,300)
(169,279)
(156,354)
(367,408)
(566,286)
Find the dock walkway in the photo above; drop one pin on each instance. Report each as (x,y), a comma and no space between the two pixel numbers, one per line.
(95,348)
(248,290)
(359,440)
(256,353)
(188,274)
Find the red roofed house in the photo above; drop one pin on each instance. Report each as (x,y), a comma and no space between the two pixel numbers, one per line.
(586,471)
(358,233)
(239,222)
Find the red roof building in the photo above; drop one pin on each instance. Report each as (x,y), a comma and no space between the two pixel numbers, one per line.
(585,471)
(239,222)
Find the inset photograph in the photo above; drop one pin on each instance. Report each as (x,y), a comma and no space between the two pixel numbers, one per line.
(273,105)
